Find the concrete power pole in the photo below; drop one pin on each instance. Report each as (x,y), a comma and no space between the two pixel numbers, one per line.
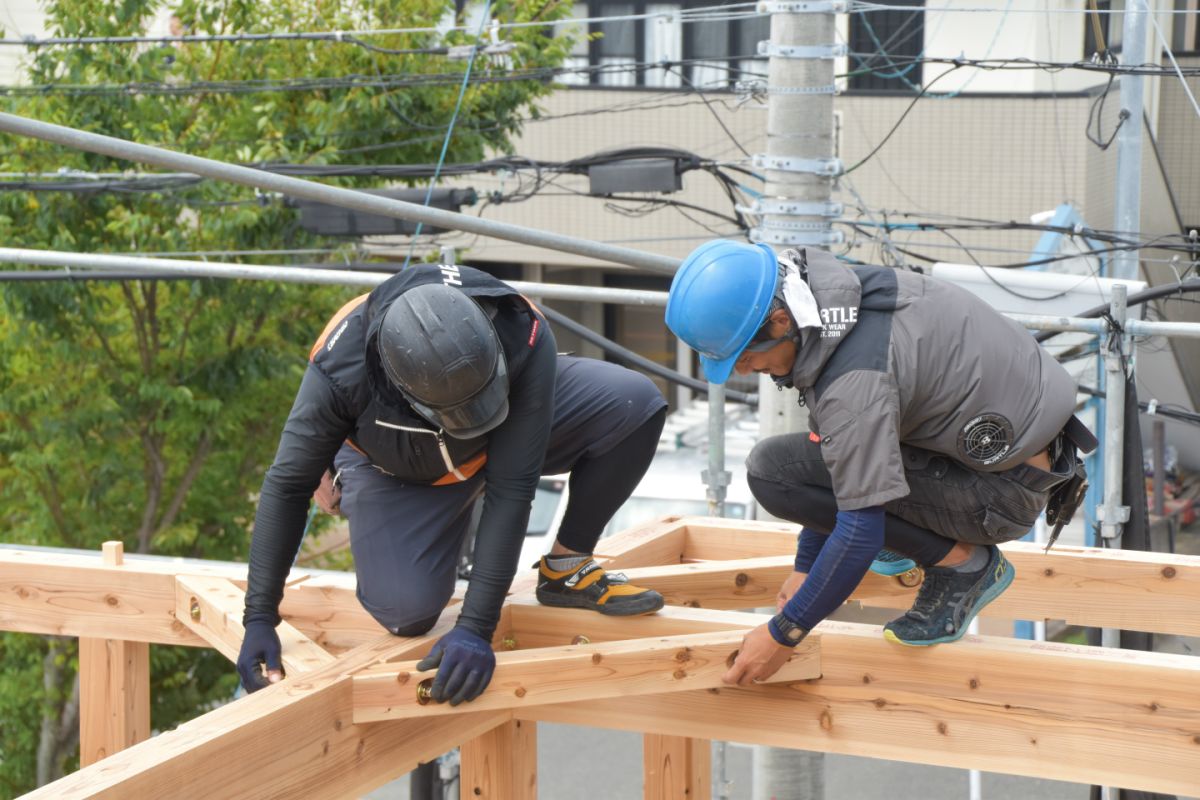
(796,211)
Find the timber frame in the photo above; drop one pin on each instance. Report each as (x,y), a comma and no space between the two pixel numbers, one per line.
(349,716)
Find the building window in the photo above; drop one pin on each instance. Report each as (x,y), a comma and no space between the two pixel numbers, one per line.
(887,43)
(1185,36)
(664,50)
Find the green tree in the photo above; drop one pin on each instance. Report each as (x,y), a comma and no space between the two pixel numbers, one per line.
(147,411)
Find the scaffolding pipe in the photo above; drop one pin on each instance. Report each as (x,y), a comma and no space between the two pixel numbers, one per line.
(333,195)
(600,294)
(1113,514)
(208,269)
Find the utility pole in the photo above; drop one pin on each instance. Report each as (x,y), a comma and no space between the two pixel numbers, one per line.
(796,210)
(1128,200)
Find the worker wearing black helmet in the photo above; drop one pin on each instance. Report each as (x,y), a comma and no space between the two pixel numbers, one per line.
(442,385)
(939,429)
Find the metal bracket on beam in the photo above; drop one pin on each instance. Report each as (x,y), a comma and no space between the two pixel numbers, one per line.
(803,7)
(828,167)
(817,238)
(794,208)
(766,48)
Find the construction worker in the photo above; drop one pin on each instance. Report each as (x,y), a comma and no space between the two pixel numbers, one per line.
(442,385)
(939,428)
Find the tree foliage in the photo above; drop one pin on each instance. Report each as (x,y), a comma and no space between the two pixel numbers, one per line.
(147,411)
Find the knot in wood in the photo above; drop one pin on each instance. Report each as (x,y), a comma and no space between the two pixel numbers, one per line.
(597,658)
(973,683)
(519,691)
(943,729)
(741,579)
(1168,572)
(402,678)
(684,655)
(826,721)
(113,600)
(1048,572)
(679,675)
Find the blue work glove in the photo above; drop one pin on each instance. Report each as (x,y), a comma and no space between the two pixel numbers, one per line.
(464,663)
(260,646)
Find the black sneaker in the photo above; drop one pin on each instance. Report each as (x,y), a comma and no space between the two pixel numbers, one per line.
(948,601)
(589,586)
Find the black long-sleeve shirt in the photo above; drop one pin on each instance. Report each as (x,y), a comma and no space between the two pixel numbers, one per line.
(343,397)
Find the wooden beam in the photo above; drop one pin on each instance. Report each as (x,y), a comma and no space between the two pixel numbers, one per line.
(745,539)
(535,625)
(501,764)
(576,672)
(212,607)
(747,583)
(1153,592)
(114,687)
(676,767)
(68,594)
(657,542)
(1072,713)
(296,738)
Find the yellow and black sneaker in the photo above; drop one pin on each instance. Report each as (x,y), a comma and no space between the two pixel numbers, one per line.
(587,585)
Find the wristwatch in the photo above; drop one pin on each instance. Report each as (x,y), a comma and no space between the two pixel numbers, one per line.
(786,632)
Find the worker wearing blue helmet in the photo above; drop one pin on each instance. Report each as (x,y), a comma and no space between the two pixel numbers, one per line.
(939,429)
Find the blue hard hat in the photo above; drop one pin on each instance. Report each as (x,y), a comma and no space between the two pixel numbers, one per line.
(719,298)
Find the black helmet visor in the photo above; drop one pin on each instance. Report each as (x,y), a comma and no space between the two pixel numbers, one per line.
(476,415)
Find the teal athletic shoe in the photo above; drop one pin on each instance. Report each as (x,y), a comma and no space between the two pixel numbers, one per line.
(948,601)
(888,563)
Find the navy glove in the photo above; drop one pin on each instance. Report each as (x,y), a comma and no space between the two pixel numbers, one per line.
(260,646)
(465,663)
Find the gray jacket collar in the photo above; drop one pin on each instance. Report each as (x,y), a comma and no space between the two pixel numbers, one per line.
(838,293)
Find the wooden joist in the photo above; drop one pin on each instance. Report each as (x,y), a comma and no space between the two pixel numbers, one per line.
(294,739)
(71,594)
(212,608)
(1058,711)
(640,666)
(1071,713)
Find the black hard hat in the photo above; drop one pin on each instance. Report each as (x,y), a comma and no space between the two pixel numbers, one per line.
(441,351)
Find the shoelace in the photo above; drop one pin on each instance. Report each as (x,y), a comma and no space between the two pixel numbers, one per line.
(933,589)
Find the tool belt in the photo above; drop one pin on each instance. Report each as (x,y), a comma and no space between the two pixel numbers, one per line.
(1066,497)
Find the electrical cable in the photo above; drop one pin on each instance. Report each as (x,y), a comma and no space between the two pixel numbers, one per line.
(483,22)
(924,90)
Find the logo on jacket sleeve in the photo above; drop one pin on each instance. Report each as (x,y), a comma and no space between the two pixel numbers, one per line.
(837,319)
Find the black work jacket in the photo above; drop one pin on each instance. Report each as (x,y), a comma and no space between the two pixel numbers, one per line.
(345,397)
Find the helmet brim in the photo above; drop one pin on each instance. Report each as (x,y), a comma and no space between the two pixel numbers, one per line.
(476,415)
(718,370)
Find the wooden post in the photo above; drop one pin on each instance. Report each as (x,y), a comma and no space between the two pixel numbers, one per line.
(114,688)
(502,763)
(676,767)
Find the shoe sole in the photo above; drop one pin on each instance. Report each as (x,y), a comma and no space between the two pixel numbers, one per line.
(631,608)
(893,568)
(991,594)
